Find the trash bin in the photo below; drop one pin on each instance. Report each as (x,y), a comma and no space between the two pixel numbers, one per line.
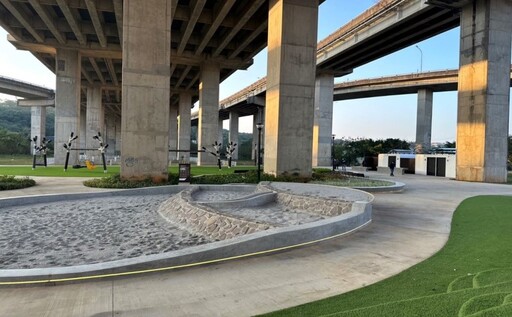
(184,172)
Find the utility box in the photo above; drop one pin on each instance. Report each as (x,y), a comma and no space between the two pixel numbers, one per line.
(184,172)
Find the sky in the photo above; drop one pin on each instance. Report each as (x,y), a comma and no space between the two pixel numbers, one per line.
(377,118)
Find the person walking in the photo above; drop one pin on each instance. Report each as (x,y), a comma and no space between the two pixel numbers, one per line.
(392,168)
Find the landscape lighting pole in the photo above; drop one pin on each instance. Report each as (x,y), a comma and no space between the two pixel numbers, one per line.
(259,126)
(332,152)
(421,58)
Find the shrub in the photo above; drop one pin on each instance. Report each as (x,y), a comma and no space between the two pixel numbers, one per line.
(115,181)
(250,177)
(10,182)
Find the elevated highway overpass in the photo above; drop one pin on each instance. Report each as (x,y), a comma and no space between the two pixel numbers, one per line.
(18,88)
(236,31)
(189,47)
(36,97)
(247,101)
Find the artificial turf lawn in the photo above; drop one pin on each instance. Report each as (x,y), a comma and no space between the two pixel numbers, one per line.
(58,171)
(470,276)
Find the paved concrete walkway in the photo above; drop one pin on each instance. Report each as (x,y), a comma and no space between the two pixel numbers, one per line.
(407,228)
(52,185)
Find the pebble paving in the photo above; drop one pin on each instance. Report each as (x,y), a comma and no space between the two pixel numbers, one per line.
(90,231)
(87,231)
(272,213)
(275,214)
(216,195)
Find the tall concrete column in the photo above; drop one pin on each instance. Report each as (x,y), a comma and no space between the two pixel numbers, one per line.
(322,127)
(110,137)
(184,126)
(146,76)
(255,121)
(424,121)
(37,122)
(82,135)
(257,118)
(95,121)
(67,102)
(118,136)
(220,134)
(173,131)
(292,40)
(233,132)
(484,88)
(208,126)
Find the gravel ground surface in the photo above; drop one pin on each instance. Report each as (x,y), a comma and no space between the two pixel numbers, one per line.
(87,231)
(271,213)
(215,195)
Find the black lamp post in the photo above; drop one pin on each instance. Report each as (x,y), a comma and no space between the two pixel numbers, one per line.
(259,126)
(332,153)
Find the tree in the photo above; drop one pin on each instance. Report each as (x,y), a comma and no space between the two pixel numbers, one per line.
(13,143)
(353,151)
(451,145)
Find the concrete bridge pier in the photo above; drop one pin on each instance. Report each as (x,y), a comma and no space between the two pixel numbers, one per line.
(95,118)
(82,134)
(424,121)
(110,137)
(220,132)
(185,105)
(484,88)
(322,128)
(37,122)
(233,132)
(118,141)
(292,44)
(67,102)
(146,80)
(257,118)
(208,121)
(173,132)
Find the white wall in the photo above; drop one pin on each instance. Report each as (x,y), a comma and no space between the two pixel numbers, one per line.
(451,163)
(383,159)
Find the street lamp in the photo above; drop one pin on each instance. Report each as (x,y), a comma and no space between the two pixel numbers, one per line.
(332,153)
(259,126)
(421,58)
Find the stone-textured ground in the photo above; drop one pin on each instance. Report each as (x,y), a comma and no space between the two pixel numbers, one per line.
(275,214)
(272,213)
(216,195)
(105,229)
(87,231)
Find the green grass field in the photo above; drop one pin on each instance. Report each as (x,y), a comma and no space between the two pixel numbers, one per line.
(58,171)
(470,276)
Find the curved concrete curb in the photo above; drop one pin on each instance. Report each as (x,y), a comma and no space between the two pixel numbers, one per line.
(29,200)
(256,243)
(397,187)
